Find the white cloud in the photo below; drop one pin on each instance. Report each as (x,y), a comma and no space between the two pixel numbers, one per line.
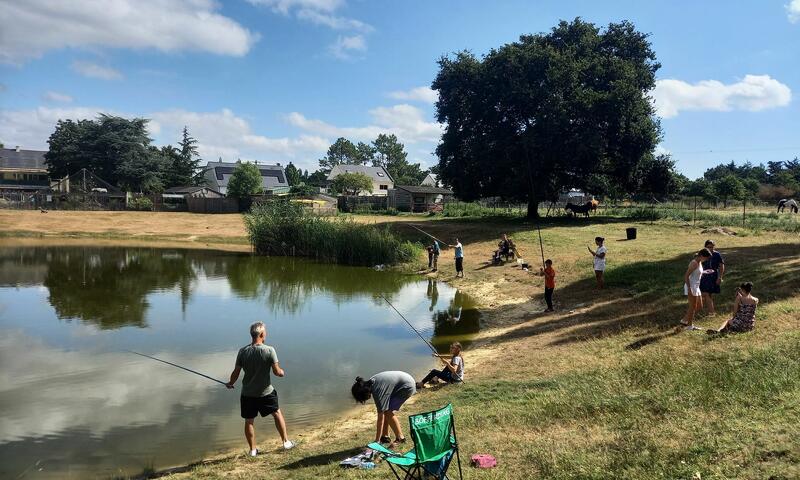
(753,93)
(334,22)
(344,47)
(30,129)
(32,27)
(223,134)
(93,70)
(793,11)
(418,94)
(52,96)
(322,12)
(405,121)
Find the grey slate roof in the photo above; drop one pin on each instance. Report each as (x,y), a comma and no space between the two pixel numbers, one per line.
(27,159)
(218,173)
(377,174)
(422,189)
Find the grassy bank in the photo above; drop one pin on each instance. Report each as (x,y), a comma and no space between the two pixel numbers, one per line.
(605,387)
(286,229)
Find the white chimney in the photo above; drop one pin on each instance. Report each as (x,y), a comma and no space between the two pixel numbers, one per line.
(16,148)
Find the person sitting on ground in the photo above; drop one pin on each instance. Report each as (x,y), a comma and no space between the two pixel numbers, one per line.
(549,275)
(389,391)
(503,249)
(258,395)
(744,312)
(453,371)
(691,288)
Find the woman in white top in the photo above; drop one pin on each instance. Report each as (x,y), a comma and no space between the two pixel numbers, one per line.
(691,288)
(599,261)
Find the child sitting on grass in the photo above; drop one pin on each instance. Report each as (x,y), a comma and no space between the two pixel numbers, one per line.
(454,367)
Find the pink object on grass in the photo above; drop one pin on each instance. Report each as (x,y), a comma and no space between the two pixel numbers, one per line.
(483,460)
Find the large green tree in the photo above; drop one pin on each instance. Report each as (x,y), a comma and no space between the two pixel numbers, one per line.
(293,175)
(729,188)
(111,147)
(184,168)
(391,155)
(352,183)
(547,112)
(245,181)
(342,152)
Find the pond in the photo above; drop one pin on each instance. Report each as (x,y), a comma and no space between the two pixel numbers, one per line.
(75,404)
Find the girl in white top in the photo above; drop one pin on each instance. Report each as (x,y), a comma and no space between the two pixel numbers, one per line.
(453,371)
(599,260)
(691,288)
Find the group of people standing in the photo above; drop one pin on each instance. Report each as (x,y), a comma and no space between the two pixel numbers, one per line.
(702,280)
(435,249)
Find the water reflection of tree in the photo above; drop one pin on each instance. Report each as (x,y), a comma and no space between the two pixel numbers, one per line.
(458,322)
(109,287)
(288,285)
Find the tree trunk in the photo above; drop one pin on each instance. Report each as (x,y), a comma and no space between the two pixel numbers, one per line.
(533,208)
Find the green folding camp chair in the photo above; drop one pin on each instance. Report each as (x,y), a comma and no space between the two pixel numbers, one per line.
(435,444)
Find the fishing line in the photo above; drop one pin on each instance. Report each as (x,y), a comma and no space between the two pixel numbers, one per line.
(433,349)
(426,233)
(176,365)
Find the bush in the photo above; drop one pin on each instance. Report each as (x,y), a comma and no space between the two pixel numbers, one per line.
(141,203)
(245,181)
(279,227)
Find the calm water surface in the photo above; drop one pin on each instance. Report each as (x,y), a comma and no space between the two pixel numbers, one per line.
(73,404)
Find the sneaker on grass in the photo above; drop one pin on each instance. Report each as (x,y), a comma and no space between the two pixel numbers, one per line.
(288,445)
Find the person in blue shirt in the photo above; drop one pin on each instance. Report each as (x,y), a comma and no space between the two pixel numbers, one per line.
(459,254)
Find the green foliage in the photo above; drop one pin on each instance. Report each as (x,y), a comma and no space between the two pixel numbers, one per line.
(293,175)
(391,155)
(140,203)
(101,146)
(769,182)
(280,227)
(352,183)
(245,181)
(342,152)
(184,167)
(304,190)
(728,187)
(547,112)
(657,177)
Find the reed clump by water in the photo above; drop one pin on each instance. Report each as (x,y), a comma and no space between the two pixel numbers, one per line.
(283,228)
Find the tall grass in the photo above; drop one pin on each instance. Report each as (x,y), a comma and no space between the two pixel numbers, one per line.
(282,228)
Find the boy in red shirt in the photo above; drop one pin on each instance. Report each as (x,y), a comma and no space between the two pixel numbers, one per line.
(549,283)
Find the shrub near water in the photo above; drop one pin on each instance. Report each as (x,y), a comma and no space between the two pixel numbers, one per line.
(284,228)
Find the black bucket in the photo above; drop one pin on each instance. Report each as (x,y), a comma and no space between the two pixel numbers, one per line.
(631,233)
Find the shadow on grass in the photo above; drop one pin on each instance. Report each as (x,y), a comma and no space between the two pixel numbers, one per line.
(648,295)
(323,459)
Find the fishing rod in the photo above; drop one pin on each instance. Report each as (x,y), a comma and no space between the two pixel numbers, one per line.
(433,349)
(176,365)
(426,233)
(541,246)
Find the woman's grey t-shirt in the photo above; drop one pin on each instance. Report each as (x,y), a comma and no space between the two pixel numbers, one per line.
(256,361)
(386,385)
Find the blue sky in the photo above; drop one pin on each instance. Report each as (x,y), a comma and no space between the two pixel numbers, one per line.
(278,80)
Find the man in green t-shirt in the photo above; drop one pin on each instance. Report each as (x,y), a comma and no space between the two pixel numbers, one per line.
(258,395)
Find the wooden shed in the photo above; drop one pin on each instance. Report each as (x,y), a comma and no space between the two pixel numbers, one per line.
(408,198)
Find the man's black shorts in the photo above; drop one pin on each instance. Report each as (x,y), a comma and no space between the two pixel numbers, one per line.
(460,264)
(266,405)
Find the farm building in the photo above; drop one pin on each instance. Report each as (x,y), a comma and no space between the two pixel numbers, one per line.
(23,170)
(418,199)
(272,176)
(381,180)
